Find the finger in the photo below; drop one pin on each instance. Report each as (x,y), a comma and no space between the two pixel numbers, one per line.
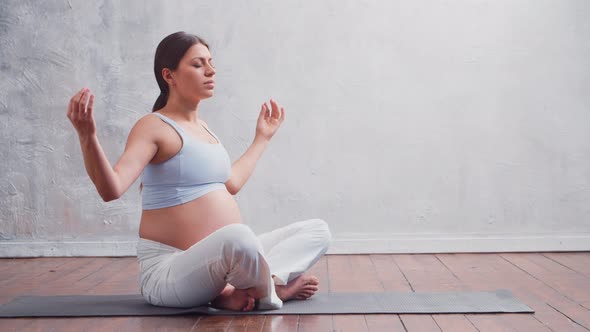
(76,108)
(311,288)
(275,109)
(76,97)
(282,114)
(69,112)
(90,106)
(82,95)
(82,103)
(72,105)
(268,114)
(263,112)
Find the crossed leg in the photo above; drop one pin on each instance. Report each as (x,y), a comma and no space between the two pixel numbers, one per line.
(233,267)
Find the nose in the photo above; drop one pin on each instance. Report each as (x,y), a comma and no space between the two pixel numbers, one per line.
(210,70)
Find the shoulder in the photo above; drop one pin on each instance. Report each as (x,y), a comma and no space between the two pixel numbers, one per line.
(148,127)
(204,123)
(147,122)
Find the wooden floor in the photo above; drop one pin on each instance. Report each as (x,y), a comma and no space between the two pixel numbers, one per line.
(555,285)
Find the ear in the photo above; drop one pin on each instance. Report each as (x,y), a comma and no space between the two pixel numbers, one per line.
(168,76)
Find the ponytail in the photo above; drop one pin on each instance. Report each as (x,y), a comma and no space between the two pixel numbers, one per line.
(161,101)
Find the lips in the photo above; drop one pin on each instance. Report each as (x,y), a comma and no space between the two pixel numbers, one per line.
(210,82)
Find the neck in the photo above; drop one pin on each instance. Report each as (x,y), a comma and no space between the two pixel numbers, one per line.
(180,108)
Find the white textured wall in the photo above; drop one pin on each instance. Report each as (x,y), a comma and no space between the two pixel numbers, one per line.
(412,126)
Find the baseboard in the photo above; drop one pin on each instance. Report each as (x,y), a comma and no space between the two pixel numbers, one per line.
(457,243)
(346,243)
(68,248)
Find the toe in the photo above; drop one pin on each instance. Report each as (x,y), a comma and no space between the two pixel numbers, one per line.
(250,304)
(312,280)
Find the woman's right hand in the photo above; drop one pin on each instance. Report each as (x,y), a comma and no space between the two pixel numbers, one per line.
(80,113)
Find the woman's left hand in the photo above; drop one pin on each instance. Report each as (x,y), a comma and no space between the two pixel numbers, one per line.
(269,120)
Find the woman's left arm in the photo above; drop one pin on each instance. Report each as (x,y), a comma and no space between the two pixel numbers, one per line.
(269,121)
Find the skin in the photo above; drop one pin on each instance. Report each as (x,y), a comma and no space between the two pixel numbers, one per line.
(153,141)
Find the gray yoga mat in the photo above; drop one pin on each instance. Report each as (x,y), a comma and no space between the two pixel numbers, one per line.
(323,303)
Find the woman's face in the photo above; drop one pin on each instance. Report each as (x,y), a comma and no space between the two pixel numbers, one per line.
(194,77)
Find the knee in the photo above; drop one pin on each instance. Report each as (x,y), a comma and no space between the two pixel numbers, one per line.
(239,239)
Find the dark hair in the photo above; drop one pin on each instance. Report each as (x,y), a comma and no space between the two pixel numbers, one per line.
(168,54)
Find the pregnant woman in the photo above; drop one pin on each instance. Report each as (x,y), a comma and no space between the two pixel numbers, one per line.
(193,248)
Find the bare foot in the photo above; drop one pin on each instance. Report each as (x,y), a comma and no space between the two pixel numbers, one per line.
(300,288)
(234,299)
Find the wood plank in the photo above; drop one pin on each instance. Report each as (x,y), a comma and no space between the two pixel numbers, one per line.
(489,272)
(340,274)
(557,321)
(27,284)
(72,279)
(213,323)
(350,323)
(286,323)
(155,323)
(426,273)
(419,323)
(247,323)
(27,271)
(458,323)
(73,324)
(569,283)
(14,324)
(315,323)
(389,323)
(577,261)
(106,281)
(389,274)
(364,274)
(8,266)
(486,276)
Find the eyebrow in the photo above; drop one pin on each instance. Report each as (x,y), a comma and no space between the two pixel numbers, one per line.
(202,58)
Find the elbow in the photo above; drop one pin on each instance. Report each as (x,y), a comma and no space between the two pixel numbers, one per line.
(230,188)
(110,195)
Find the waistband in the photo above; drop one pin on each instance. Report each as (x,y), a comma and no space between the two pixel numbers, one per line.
(147,249)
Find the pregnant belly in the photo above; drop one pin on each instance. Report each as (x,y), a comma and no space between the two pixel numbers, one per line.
(183,225)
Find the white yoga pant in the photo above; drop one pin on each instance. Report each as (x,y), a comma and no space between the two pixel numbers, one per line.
(233,254)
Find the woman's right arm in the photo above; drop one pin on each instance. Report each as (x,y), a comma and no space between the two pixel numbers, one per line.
(111,182)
